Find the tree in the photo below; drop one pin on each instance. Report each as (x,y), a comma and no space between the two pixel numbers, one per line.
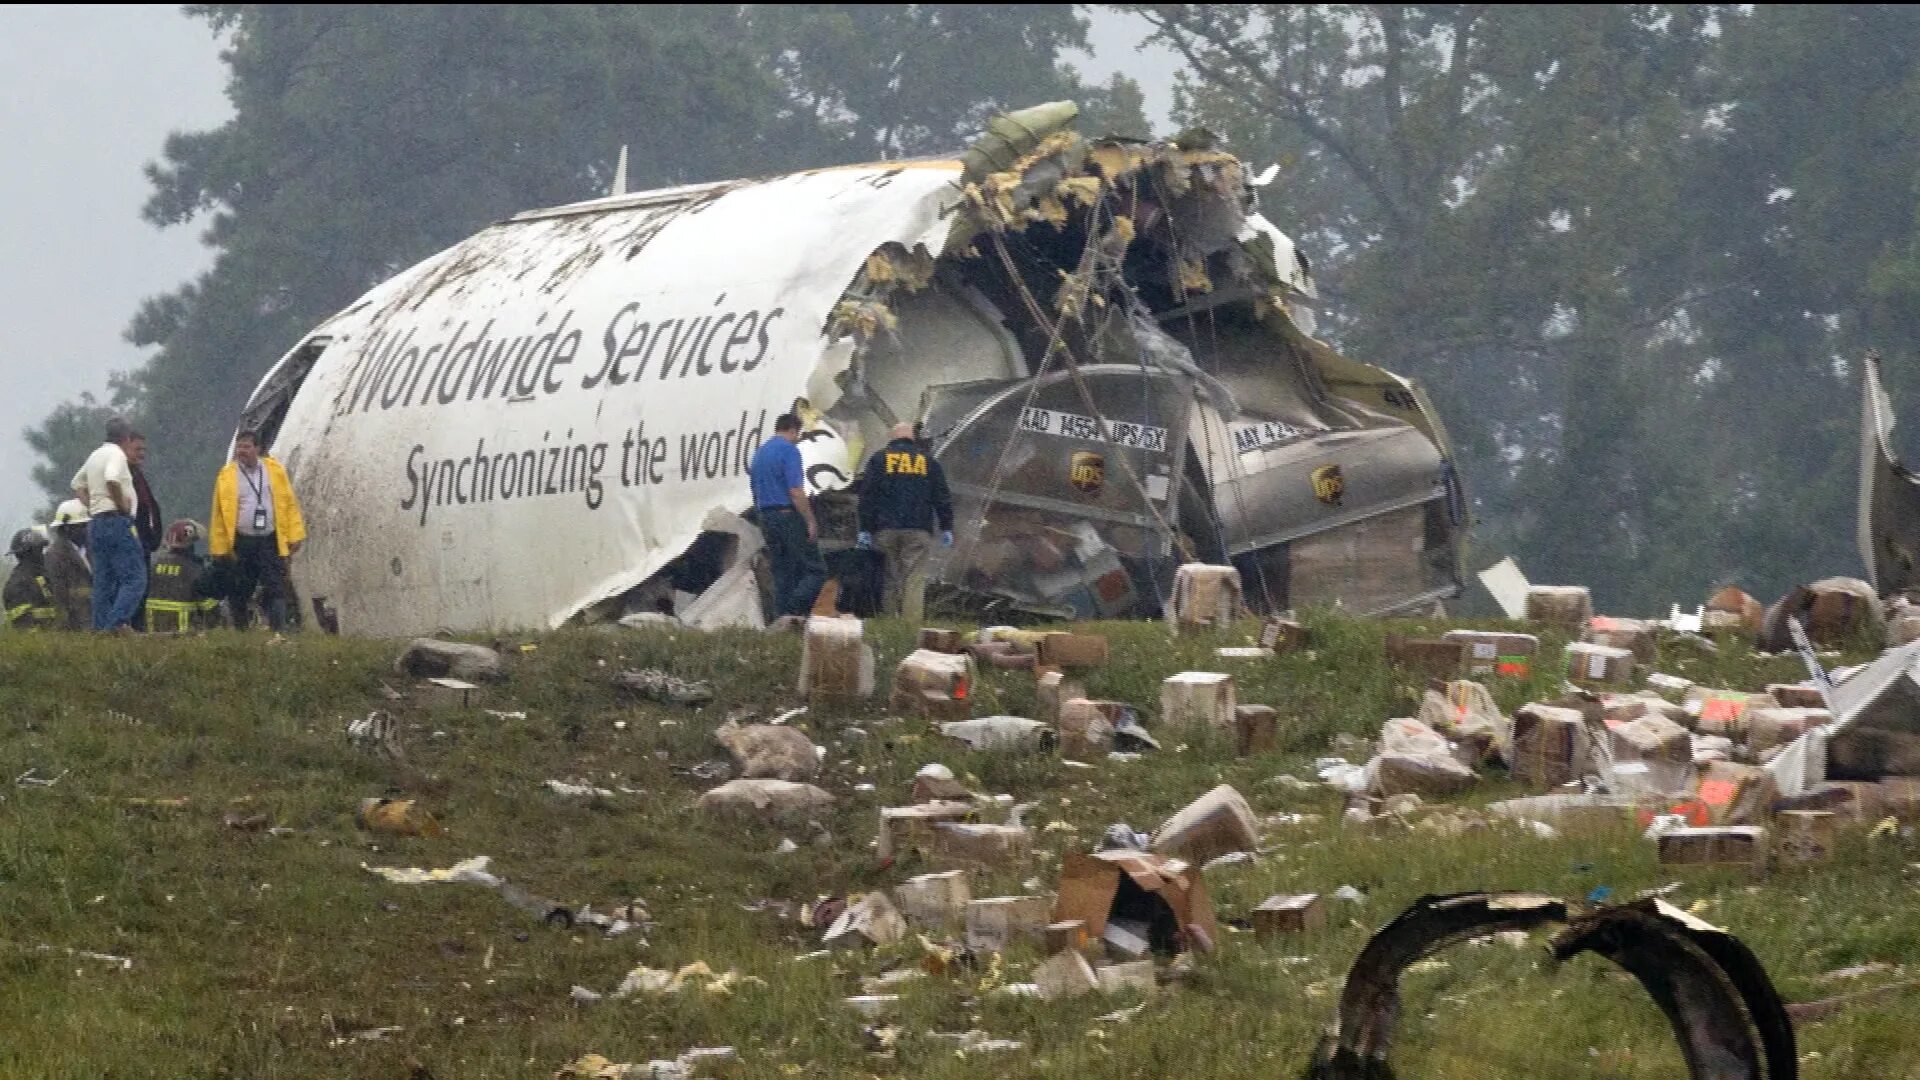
(1496,192)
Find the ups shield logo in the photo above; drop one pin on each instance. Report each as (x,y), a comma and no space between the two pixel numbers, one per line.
(1328,485)
(1087,472)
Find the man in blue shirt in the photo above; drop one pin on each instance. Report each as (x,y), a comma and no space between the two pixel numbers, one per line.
(786,519)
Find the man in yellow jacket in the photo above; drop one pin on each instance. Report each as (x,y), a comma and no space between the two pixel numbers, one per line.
(256,527)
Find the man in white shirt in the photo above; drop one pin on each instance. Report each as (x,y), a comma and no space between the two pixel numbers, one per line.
(105,485)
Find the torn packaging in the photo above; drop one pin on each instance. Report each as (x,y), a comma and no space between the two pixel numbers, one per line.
(1165,894)
(1509,656)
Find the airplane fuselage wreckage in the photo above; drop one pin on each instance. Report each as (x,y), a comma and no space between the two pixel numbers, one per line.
(1107,348)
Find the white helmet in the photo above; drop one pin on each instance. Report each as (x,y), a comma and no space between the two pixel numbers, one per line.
(71,512)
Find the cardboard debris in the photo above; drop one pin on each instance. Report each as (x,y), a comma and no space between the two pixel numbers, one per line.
(1197,698)
(1796,696)
(1432,658)
(1854,801)
(1256,730)
(957,845)
(1013,661)
(939,787)
(1508,656)
(1213,825)
(941,641)
(996,923)
(1598,665)
(933,685)
(1805,836)
(1396,774)
(1165,895)
(1065,974)
(836,663)
(1415,759)
(1744,845)
(1090,729)
(910,828)
(1054,689)
(1549,746)
(769,751)
(777,800)
(1565,607)
(446,693)
(1203,596)
(426,658)
(1575,812)
(1137,976)
(1900,798)
(1302,914)
(1633,635)
(1770,728)
(872,920)
(1067,934)
(934,901)
(1282,635)
(1069,652)
(1737,794)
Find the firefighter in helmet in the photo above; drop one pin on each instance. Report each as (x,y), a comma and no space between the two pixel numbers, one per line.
(177,600)
(27,599)
(69,571)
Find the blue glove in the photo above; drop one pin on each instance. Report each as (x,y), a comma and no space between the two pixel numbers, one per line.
(946,538)
(864,541)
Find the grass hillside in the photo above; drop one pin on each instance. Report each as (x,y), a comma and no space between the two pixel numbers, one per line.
(260,954)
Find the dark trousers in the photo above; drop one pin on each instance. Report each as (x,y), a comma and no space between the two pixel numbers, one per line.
(257,564)
(798,571)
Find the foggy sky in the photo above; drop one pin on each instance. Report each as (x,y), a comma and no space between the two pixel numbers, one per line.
(90,94)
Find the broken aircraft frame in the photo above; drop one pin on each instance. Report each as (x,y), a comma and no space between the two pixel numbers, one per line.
(1109,349)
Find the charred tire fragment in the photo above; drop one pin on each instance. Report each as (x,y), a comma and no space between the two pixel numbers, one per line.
(1729,1020)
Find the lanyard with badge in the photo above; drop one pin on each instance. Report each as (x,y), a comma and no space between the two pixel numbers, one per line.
(259,496)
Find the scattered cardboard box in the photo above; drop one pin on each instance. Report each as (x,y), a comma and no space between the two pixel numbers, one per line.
(1301,914)
(1508,656)
(934,686)
(1805,836)
(1065,974)
(1137,976)
(1069,652)
(1565,607)
(996,923)
(941,641)
(1742,845)
(1197,698)
(1256,729)
(934,901)
(1203,597)
(1433,658)
(1166,894)
(1599,665)
(1549,746)
(836,664)
(1217,823)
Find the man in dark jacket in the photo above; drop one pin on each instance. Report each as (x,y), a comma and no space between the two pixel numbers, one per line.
(146,515)
(903,496)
